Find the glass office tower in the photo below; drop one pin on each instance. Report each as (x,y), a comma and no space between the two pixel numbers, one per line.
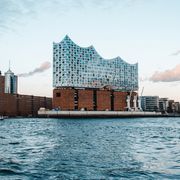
(10,82)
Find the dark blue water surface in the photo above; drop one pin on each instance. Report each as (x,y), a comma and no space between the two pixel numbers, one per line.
(140,148)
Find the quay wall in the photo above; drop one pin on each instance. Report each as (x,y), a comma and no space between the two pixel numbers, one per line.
(97,114)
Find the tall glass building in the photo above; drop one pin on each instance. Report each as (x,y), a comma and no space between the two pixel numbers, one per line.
(10,82)
(75,66)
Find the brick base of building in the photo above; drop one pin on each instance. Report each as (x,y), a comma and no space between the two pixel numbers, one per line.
(90,99)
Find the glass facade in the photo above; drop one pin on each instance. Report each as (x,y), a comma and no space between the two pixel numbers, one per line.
(10,82)
(74,66)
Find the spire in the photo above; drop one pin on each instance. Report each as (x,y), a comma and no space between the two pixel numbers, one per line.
(9,64)
(9,70)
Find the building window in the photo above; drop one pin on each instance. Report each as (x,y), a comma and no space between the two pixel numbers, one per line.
(58,94)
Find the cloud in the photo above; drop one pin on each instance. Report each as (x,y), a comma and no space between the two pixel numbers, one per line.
(14,12)
(170,75)
(176,53)
(43,67)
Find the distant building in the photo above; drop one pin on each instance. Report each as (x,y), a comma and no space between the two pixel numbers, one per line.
(163,104)
(171,106)
(177,107)
(150,103)
(2,81)
(10,82)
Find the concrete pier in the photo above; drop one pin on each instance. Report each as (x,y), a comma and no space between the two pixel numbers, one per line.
(96,114)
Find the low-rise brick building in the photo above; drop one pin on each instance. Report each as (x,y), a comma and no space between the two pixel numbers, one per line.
(20,105)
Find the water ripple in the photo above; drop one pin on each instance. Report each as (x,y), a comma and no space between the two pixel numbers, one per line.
(90,149)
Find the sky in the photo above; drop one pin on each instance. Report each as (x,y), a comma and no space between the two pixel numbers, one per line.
(143,31)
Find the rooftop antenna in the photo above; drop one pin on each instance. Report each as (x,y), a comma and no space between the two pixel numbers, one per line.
(9,64)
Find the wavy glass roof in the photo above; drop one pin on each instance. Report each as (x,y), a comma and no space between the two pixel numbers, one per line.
(83,67)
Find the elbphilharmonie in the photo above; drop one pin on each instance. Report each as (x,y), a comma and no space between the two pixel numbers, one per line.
(74,66)
(83,80)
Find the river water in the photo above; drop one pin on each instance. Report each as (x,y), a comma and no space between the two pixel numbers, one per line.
(136,148)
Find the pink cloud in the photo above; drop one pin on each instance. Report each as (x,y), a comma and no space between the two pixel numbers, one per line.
(176,53)
(170,75)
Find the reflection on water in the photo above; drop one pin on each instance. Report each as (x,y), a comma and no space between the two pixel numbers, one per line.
(140,148)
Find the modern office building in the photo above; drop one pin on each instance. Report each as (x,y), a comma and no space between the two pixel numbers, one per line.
(2,81)
(10,82)
(82,79)
(74,66)
(150,103)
